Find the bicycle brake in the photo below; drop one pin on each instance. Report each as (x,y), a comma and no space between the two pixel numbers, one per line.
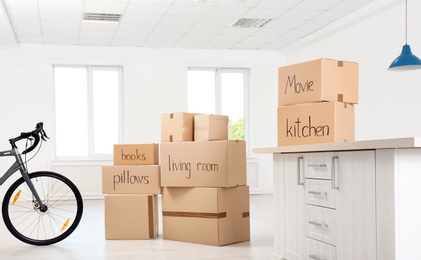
(44,135)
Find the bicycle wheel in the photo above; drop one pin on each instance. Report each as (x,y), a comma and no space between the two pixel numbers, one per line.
(25,220)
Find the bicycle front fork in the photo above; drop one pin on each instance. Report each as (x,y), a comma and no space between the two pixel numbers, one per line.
(38,203)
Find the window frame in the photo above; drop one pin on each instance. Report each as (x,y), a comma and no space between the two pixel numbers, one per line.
(218,95)
(90,116)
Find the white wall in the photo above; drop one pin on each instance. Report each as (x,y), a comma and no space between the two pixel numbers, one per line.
(155,82)
(389,101)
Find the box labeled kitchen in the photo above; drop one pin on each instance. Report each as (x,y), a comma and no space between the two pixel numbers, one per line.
(177,127)
(311,123)
(131,216)
(212,216)
(203,164)
(131,179)
(136,154)
(318,80)
(210,127)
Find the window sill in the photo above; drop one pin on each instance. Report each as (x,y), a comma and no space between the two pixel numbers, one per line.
(81,161)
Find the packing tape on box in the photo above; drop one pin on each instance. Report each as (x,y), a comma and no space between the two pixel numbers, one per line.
(200,214)
(150,217)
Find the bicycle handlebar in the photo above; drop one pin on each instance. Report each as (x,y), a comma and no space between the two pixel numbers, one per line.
(37,134)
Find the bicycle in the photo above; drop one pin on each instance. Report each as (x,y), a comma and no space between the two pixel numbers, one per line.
(40,208)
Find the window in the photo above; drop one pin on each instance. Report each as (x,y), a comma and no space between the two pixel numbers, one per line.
(87,110)
(223,92)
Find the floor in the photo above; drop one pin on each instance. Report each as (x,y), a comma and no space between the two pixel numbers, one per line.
(88,241)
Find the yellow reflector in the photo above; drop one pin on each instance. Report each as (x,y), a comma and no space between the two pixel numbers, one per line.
(65,225)
(16,197)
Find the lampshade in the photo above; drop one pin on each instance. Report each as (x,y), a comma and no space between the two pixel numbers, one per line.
(406,61)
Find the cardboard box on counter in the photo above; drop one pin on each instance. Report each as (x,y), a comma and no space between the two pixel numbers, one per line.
(318,80)
(203,164)
(131,179)
(210,127)
(177,127)
(136,154)
(131,216)
(311,123)
(212,216)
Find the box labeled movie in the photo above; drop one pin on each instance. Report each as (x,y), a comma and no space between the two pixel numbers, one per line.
(131,216)
(131,179)
(203,164)
(318,80)
(177,127)
(136,154)
(210,127)
(212,216)
(324,122)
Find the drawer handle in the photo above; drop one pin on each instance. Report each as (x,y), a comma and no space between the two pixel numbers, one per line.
(300,161)
(318,224)
(335,172)
(316,257)
(318,193)
(317,165)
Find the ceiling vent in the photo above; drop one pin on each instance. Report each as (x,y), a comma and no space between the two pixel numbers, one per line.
(250,22)
(101,18)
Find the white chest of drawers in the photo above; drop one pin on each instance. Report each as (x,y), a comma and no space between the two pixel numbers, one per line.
(348,201)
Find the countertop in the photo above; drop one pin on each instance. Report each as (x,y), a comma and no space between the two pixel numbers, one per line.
(408,142)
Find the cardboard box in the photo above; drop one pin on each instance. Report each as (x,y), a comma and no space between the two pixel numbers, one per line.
(318,80)
(136,154)
(203,164)
(211,216)
(311,123)
(131,179)
(177,127)
(210,127)
(133,216)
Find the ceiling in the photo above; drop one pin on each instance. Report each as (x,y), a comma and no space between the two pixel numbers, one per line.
(201,24)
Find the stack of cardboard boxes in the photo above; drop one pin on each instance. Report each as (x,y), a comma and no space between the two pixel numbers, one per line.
(131,186)
(316,102)
(205,198)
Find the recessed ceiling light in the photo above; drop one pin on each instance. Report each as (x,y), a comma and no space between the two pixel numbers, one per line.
(250,22)
(101,17)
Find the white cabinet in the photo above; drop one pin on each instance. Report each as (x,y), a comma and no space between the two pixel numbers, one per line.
(327,205)
(356,194)
(291,183)
(362,199)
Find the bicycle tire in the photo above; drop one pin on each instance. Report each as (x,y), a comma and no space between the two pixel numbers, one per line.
(24,219)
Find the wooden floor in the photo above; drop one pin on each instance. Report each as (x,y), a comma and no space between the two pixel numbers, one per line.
(88,241)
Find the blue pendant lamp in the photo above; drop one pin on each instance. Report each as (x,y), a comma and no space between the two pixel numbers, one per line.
(407,60)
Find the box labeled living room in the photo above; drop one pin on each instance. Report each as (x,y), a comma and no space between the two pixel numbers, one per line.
(203,164)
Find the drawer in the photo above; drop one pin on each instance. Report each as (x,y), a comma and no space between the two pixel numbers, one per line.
(316,250)
(318,165)
(321,224)
(320,193)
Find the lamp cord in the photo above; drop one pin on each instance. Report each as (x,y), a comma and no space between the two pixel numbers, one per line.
(406,21)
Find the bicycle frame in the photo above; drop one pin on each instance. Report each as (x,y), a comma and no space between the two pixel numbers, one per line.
(19,165)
